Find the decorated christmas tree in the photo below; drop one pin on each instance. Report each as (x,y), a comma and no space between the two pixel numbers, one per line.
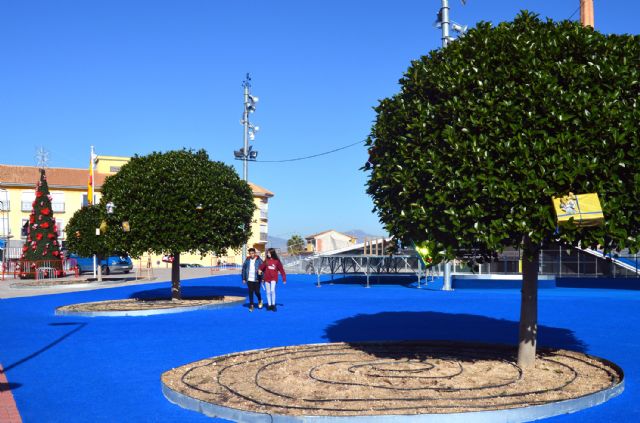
(42,248)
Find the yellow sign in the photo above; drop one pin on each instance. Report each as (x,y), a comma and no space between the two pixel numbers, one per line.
(585,209)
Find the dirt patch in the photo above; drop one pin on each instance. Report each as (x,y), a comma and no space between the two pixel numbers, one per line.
(388,378)
(148,304)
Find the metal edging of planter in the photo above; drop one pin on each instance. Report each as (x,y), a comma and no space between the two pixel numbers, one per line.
(510,415)
(142,313)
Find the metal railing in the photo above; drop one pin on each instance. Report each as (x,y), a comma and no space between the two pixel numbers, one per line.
(559,262)
(5,205)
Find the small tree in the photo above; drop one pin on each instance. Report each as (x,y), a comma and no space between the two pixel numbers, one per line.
(82,238)
(295,245)
(42,248)
(484,132)
(176,202)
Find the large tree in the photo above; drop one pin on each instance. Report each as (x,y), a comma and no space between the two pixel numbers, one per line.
(82,237)
(175,202)
(467,156)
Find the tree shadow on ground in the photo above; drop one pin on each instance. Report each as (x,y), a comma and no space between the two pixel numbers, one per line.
(77,326)
(4,387)
(191,292)
(431,325)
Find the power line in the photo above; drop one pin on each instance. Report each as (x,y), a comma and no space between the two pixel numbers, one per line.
(312,156)
(574,12)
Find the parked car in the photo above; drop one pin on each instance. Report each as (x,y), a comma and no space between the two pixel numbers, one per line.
(115,263)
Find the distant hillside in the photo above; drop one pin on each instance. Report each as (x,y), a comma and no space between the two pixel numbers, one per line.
(278,243)
(361,235)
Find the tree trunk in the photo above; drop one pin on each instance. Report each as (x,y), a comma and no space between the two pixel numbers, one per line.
(175,278)
(528,306)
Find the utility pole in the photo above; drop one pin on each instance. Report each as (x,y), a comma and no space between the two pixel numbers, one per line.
(444,22)
(586,13)
(246,153)
(445,25)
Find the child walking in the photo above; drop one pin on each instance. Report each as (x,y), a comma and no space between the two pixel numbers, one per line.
(270,269)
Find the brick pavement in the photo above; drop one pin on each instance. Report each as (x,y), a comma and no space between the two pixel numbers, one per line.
(8,409)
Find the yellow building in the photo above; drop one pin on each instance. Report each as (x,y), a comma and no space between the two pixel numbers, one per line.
(68,188)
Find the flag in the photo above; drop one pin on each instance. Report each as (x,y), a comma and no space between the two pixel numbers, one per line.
(90,185)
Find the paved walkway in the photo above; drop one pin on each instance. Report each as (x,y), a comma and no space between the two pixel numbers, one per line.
(8,410)
(159,275)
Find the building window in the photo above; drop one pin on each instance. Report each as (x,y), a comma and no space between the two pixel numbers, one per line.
(85,201)
(4,200)
(263,232)
(60,225)
(114,169)
(4,226)
(24,228)
(57,201)
(26,200)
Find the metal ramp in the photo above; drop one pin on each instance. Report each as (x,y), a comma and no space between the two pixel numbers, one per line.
(627,262)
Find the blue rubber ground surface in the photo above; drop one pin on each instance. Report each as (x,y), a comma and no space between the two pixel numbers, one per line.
(107,369)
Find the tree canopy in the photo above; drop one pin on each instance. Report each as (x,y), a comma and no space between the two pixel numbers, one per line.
(484,132)
(467,156)
(175,202)
(295,244)
(82,238)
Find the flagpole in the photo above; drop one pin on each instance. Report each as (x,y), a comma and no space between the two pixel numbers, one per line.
(91,200)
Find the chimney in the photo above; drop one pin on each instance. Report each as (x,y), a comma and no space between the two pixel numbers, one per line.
(586,13)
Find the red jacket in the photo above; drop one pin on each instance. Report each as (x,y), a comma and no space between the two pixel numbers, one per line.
(270,268)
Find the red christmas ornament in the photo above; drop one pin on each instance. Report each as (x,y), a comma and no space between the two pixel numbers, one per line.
(44,225)
(56,253)
(51,235)
(46,211)
(38,236)
(32,219)
(39,193)
(24,248)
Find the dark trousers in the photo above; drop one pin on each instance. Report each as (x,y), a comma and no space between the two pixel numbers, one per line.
(254,287)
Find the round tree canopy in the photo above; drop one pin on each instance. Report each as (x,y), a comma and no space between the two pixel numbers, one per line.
(178,201)
(484,132)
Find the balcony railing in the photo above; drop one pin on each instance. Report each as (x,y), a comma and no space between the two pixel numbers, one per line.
(26,206)
(5,205)
(264,214)
(264,236)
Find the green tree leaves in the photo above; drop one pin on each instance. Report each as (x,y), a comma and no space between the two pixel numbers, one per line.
(484,132)
(81,230)
(295,244)
(178,201)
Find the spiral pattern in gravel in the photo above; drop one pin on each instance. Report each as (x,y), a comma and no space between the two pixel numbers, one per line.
(388,378)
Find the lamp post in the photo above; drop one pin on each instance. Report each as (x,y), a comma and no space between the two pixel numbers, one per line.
(246,153)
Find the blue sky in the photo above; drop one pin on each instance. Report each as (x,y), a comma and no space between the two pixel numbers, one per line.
(140,76)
